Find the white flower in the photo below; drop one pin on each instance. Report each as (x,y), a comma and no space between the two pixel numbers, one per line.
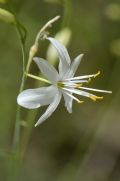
(62,83)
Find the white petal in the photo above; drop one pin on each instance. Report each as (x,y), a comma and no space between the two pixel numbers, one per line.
(74,66)
(75,81)
(51,108)
(79,92)
(47,69)
(34,98)
(96,90)
(68,102)
(63,55)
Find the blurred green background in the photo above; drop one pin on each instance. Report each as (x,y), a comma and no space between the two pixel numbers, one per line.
(84,145)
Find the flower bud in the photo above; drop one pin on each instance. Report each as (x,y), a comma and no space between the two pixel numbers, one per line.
(3,1)
(6,16)
(112,12)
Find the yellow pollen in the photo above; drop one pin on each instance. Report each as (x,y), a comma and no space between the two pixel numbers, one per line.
(94,98)
(89,80)
(81,102)
(98,73)
(78,85)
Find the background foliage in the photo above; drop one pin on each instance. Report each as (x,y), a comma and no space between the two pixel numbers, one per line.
(83,145)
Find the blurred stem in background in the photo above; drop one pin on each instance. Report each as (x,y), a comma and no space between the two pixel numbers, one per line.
(67,13)
(10,18)
(21,32)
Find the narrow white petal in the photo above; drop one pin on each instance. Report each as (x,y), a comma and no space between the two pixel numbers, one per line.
(51,108)
(63,55)
(61,49)
(34,98)
(78,81)
(70,85)
(74,65)
(68,101)
(73,97)
(96,90)
(47,69)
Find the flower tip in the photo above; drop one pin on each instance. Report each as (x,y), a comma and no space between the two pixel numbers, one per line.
(57,17)
(110,92)
(89,80)
(19,99)
(36,125)
(80,102)
(94,98)
(81,54)
(98,73)
(35,59)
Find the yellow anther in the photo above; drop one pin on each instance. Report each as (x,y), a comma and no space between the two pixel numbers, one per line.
(78,85)
(80,102)
(99,97)
(89,80)
(98,73)
(94,98)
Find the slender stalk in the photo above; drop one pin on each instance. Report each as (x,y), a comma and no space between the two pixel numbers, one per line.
(15,162)
(41,35)
(17,124)
(67,13)
(17,151)
(38,78)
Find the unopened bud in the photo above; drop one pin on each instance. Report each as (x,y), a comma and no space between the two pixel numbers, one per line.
(6,16)
(3,1)
(33,50)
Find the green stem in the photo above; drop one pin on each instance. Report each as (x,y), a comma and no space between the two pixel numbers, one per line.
(16,137)
(17,124)
(18,148)
(67,13)
(38,78)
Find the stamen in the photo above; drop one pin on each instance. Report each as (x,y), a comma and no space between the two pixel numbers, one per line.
(76,99)
(84,76)
(78,81)
(71,86)
(78,85)
(83,93)
(96,90)
(98,73)
(94,98)
(69,83)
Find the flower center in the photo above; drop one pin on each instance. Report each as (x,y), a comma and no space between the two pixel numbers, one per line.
(60,84)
